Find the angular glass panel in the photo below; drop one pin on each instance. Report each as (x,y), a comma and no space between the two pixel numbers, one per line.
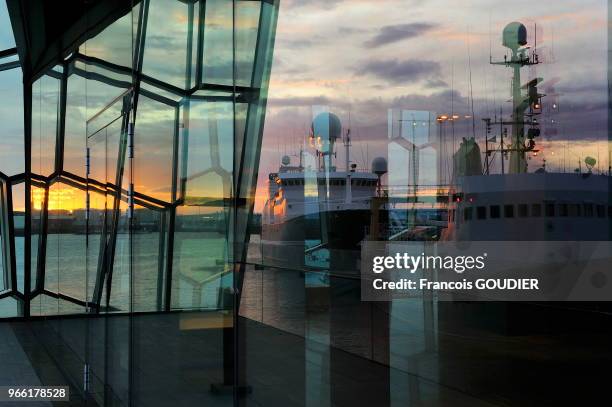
(120,290)
(156,126)
(115,44)
(66,243)
(105,150)
(200,264)
(101,97)
(107,264)
(75,144)
(37,204)
(97,226)
(45,110)
(11,118)
(245,39)
(166,45)
(148,258)
(210,145)
(9,307)
(7,40)
(218,63)
(18,194)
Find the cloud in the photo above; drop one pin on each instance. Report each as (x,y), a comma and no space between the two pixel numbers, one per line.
(394,33)
(320,4)
(395,71)
(299,101)
(436,83)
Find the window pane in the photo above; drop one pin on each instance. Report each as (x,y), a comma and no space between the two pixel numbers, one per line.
(11,120)
(218,63)
(156,126)
(247,22)
(536,210)
(7,40)
(481,212)
(165,54)
(45,104)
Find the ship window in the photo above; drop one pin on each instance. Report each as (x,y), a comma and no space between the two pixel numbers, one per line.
(481,212)
(523,210)
(610,211)
(549,209)
(494,211)
(342,182)
(509,211)
(588,210)
(574,210)
(563,210)
(600,211)
(536,210)
(467,214)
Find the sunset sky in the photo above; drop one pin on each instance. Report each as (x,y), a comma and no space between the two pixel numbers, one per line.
(360,58)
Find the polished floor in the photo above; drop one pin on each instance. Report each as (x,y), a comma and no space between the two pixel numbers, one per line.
(175,359)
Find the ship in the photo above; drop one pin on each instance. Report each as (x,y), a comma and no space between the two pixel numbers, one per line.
(518,205)
(316,214)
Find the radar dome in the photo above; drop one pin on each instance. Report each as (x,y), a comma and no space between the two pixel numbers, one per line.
(327,126)
(379,166)
(286,160)
(515,36)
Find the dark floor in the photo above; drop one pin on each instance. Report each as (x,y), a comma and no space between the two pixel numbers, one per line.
(173,359)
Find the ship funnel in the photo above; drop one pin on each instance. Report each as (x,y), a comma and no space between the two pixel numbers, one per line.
(515,36)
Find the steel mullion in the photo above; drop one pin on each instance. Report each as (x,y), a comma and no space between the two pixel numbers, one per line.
(27,229)
(61,127)
(172,218)
(42,243)
(200,44)
(117,199)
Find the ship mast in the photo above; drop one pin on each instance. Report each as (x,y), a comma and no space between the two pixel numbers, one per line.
(347,145)
(525,107)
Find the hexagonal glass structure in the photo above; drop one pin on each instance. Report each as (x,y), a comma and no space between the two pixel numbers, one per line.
(122,181)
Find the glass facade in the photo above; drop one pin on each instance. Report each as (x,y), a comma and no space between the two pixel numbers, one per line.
(194,195)
(119,191)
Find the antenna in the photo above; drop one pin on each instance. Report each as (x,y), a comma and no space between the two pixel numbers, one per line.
(471,87)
